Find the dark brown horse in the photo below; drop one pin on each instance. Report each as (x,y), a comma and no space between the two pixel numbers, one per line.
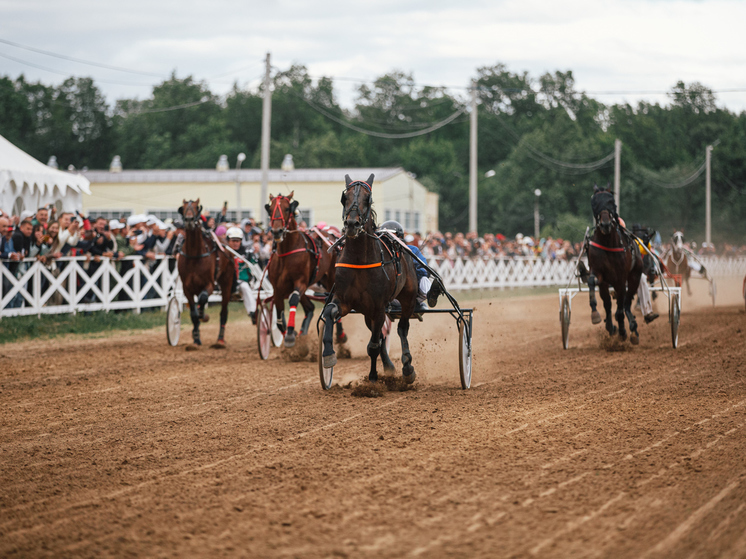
(369,276)
(299,260)
(201,264)
(614,260)
(677,261)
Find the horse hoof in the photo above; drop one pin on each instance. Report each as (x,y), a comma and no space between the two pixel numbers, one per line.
(342,339)
(220,344)
(290,340)
(634,339)
(373,377)
(409,379)
(205,318)
(596,317)
(329,360)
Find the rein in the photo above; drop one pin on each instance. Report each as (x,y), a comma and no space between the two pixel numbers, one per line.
(607,249)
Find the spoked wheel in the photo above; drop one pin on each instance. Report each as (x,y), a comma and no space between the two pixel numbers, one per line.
(674,318)
(264,328)
(464,355)
(326,374)
(565,321)
(173,321)
(277,335)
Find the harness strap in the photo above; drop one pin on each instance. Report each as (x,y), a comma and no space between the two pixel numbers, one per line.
(607,249)
(291,252)
(358,266)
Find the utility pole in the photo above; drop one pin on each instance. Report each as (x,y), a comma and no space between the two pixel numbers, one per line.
(473,161)
(537,216)
(708,198)
(617,171)
(266,119)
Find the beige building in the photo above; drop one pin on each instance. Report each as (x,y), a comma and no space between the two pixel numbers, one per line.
(396,194)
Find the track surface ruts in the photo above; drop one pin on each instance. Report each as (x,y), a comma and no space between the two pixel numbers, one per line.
(125,446)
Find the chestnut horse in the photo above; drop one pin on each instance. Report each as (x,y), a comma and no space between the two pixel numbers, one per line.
(614,260)
(299,260)
(201,264)
(677,261)
(369,277)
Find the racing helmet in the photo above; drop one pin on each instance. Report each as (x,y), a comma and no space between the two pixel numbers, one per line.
(394,226)
(234,233)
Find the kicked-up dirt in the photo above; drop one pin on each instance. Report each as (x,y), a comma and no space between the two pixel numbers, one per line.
(125,446)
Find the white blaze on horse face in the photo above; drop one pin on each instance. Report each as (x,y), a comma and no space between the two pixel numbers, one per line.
(678,240)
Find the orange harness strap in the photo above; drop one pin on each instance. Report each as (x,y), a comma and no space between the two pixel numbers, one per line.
(359,266)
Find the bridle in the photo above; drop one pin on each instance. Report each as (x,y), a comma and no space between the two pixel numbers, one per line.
(677,248)
(277,214)
(192,219)
(359,226)
(613,225)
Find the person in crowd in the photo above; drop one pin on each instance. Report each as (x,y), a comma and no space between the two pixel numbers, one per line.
(42,216)
(243,273)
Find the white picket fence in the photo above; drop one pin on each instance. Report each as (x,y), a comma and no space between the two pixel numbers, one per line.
(151,284)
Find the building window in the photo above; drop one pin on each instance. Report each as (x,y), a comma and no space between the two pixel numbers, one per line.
(387,213)
(93,213)
(163,215)
(407,222)
(416,222)
(397,215)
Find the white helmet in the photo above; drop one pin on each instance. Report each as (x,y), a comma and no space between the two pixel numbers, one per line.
(234,233)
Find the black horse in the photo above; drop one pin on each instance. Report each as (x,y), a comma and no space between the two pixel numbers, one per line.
(370,275)
(615,260)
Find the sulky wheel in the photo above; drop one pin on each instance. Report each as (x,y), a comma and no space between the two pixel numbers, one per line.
(264,328)
(326,374)
(464,354)
(565,321)
(713,291)
(173,321)
(674,318)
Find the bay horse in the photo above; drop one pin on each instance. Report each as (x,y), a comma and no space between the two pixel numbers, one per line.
(614,260)
(370,275)
(201,264)
(298,261)
(677,261)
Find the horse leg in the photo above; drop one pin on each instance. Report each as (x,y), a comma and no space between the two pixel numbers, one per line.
(194,314)
(633,283)
(603,290)
(374,345)
(279,304)
(331,315)
(202,301)
(595,315)
(388,365)
(341,336)
(406,356)
(621,295)
(308,310)
(223,317)
(290,334)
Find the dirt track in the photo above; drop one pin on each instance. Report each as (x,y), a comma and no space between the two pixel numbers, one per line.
(125,446)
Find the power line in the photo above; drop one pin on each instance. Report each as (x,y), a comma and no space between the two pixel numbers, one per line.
(385,135)
(79,60)
(14,59)
(648,176)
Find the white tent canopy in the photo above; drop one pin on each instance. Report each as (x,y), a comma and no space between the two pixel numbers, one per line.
(27,184)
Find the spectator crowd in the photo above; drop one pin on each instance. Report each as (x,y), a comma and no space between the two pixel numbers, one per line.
(45,236)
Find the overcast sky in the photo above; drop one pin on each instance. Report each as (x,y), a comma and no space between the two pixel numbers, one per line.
(621,46)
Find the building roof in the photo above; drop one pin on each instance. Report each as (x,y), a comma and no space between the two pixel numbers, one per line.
(244,175)
(18,166)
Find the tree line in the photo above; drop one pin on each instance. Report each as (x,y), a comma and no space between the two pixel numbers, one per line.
(532,132)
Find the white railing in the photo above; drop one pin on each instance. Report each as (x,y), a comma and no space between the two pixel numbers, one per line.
(145,284)
(73,288)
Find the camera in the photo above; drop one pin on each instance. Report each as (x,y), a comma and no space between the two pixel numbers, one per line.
(106,227)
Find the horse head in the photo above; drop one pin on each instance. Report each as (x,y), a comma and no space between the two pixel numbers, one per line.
(357,204)
(190,210)
(281,211)
(604,209)
(677,241)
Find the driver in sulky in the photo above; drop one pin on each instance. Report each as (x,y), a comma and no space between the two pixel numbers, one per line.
(243,273)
